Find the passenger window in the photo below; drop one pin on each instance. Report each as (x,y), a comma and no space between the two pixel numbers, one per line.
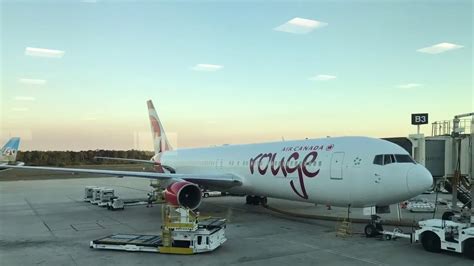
(378,159)
(199,240)
(387,159)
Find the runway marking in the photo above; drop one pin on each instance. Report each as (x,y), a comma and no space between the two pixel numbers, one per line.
(39,216)
(102,214)
(258,258)
(73,260)
(374,262)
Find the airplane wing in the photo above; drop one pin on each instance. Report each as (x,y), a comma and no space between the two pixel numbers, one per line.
(124,159)
(213,180)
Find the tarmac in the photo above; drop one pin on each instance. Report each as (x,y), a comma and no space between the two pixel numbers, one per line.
(46,222)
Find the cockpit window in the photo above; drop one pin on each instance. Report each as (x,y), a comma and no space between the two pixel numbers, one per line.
(404,158)
(384,159)
(387,159)
(378,159)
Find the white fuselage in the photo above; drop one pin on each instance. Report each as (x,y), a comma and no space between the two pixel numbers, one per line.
(338,171)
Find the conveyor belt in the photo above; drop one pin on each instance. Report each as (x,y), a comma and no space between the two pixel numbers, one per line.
(212,223)
(130,239)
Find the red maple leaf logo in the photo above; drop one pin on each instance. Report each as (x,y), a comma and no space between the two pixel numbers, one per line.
(329,147)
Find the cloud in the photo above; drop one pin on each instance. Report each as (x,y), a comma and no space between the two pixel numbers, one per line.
(409,86)
(207,67)
(440,48)
(19,109)
(32,81)
(300,25)
(41,52)
(25,98)
(323,77)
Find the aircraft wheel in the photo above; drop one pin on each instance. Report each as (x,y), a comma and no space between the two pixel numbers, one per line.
(448,216)
(370,230)
(431,242)
(248,200)
(469,248)
(206,195)
(255,200)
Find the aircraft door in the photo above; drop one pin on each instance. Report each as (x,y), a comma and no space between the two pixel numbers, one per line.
(337,161)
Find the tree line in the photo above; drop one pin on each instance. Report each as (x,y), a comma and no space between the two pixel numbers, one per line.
(65,158)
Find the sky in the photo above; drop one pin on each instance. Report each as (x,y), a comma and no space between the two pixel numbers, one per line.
(77,74)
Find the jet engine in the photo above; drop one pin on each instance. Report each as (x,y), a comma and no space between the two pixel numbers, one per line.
(183,194)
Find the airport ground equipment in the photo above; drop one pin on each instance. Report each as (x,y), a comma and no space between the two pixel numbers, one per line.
(344,229)
(105,196)
(435,235)
(463,190)
(116,203)
(95,195)
(182,232)
(209,193)
(420,205)
(88,193)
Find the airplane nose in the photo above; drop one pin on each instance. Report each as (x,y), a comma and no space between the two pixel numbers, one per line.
(419,179)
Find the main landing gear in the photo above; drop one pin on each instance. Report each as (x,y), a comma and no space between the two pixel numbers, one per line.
(256,200)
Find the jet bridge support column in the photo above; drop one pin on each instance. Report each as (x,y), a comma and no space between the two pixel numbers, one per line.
(471,172)
(418,141)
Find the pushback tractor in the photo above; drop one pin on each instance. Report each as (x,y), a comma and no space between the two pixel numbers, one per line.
(435,235)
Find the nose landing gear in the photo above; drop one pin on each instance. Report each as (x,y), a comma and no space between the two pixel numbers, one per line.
(374,228)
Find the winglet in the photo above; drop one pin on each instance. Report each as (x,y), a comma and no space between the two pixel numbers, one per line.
(160,141)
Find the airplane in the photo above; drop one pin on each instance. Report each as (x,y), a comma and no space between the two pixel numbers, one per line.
(9,152)
(340,171)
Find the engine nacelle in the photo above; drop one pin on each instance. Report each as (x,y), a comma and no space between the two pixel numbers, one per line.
(183,194)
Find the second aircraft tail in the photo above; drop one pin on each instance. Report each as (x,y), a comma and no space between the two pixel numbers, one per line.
(10,150)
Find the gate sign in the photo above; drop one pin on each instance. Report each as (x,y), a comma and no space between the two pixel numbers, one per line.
(419,119)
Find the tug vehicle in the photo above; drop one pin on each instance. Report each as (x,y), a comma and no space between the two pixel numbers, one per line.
(105,196)
(434,235)
(116,203)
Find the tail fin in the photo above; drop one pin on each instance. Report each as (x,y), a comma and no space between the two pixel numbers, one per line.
(160,141)
(10,150)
